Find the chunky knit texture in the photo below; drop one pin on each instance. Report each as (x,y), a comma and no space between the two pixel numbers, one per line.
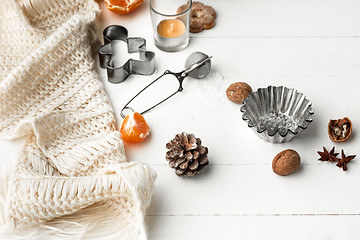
(72,178)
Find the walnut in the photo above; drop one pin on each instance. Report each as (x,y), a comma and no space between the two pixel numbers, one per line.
(286,162)
(339,130)
(237,92)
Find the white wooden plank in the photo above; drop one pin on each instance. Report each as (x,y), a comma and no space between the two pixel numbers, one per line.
(249,227)
(256,190)
(253,227)
(260,18)
(235,58)
(299,18)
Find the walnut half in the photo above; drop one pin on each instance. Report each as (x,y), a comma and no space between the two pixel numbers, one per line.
(339,130)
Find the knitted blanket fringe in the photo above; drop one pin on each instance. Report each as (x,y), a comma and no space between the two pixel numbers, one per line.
(102,219)
(97,221)
(72,179)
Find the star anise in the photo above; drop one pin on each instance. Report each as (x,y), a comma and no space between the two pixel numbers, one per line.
(344,160)
(328,156)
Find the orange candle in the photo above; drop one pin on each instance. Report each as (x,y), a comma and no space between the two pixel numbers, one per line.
(171,28)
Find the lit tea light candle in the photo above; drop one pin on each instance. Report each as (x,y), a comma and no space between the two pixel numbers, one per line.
(171,28)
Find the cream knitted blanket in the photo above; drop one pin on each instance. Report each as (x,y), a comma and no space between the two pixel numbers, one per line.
(72,179)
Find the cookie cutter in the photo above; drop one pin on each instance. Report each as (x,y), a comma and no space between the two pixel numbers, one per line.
(144,66)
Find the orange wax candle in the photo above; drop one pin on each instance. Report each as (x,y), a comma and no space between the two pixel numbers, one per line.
(171,28)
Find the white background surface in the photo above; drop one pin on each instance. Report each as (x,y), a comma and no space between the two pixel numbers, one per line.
(310,45)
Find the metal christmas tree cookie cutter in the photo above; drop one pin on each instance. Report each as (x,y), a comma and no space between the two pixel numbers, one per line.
(144,66)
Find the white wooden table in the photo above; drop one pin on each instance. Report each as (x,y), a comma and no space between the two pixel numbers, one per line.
(310,45)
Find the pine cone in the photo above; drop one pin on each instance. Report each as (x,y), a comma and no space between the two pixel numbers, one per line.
(186,155)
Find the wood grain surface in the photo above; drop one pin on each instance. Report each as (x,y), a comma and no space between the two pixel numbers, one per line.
(310,45)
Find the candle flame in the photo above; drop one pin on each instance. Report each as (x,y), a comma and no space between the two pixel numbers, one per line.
(171,27)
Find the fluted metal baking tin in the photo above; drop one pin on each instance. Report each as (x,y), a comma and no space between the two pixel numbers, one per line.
(277,114)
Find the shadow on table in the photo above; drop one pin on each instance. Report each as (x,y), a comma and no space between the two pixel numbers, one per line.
(313,131)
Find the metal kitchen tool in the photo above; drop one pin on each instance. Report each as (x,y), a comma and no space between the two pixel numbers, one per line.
(197,65)
(277,114)
(144,66)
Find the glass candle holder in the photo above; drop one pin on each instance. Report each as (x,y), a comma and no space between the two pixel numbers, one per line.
(170,28)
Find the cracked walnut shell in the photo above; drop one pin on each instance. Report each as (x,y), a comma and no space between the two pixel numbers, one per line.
(340,130)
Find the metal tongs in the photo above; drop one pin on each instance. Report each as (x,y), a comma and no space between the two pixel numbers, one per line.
(197,65)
